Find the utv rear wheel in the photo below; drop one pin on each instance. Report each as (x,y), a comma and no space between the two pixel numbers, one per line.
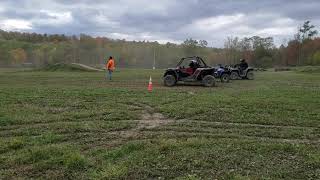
(250,75)
(169,80)
(225,78)
(234,75)
(209,81)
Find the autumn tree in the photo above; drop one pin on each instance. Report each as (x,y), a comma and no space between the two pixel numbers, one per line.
(203,43)
(19,56)
(194,47)
(305,33)
(232,46)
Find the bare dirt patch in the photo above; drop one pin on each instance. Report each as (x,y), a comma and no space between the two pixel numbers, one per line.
(87,67)
(150,119)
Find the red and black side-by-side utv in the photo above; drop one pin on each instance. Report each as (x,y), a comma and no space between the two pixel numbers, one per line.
(190,70)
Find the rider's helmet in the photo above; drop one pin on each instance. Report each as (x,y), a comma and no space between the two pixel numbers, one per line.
(242,60)
(192,63)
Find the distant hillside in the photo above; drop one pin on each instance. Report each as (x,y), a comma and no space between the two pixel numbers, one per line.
(18,48)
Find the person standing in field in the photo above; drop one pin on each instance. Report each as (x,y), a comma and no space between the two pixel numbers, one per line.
(110,66)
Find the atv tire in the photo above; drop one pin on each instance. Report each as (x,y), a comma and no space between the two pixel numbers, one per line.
(250,75)
(169,80)
(209,81)
(225,78)
(234,76)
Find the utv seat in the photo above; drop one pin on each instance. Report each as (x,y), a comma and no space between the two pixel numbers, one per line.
(190,71)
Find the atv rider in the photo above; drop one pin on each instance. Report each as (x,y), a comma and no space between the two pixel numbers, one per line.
(243,65)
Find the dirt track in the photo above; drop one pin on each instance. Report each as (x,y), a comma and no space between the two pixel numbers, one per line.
(87,67)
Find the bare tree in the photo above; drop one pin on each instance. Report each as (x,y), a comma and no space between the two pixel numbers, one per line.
(305,33)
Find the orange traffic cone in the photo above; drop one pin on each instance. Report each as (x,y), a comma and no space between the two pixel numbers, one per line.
(150,85)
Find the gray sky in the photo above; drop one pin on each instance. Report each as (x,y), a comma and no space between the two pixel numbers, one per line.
(162,20)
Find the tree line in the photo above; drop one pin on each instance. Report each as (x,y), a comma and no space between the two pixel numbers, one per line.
(303,49)
(18,49)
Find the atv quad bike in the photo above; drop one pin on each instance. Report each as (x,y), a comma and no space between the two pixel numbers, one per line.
(222,73)
(236,73)
(190,70)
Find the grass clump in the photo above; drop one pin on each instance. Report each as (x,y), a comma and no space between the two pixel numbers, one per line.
(308,69)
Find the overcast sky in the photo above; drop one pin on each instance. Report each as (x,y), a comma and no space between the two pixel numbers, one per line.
(161,20)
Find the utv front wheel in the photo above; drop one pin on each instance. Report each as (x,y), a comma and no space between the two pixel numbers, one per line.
(209,81)
(234,75)
(250,75)
(169,80)
(225,78)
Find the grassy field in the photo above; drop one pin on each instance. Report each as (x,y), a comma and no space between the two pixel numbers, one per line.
(77,125)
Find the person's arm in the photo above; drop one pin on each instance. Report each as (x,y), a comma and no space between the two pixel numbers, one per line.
(108,65)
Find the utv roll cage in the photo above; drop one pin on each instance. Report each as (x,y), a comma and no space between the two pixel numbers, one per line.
(197,58)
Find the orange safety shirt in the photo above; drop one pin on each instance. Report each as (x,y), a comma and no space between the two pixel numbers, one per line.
(110,65)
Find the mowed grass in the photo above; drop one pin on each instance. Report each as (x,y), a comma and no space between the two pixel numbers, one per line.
(77,125)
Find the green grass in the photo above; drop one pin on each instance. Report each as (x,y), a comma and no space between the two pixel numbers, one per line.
(77,125)
(309,69)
